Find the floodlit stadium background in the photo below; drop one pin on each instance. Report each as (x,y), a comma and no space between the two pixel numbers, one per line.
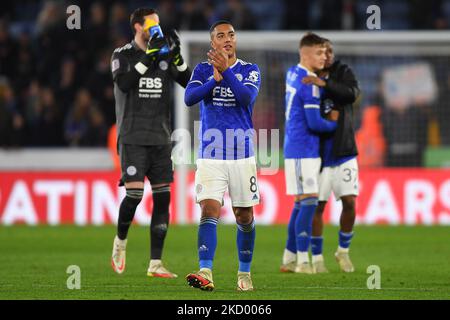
(57,104)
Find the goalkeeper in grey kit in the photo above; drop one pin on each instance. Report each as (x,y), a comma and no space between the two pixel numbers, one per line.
(144,72)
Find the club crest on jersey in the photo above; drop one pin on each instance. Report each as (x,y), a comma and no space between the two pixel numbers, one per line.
(239,76)
(253,76)
(163,65)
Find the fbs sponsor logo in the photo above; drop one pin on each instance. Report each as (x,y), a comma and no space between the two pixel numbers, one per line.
(150,87)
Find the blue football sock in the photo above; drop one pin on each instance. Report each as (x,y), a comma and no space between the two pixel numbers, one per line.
(316,245)
(345,239)
(245,243)
(291,244)
(303,223)
(207,241)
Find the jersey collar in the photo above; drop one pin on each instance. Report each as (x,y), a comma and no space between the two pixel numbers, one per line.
(135,46)
(234,64)
(307,71)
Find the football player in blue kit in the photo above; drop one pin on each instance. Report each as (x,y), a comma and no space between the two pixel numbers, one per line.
(301,151)
(226,88)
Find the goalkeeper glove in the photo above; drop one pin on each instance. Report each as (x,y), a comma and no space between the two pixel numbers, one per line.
(154,46)
(175,50)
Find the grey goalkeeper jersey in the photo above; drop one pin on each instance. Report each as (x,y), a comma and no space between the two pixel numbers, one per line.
(143,112)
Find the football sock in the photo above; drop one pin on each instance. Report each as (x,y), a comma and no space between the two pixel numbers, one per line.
(345,239)
(207,241)
(245,244)
(316,258)
(316,245)
(302,257)
(303,227)
(127,210)
(291,239)
(160,220)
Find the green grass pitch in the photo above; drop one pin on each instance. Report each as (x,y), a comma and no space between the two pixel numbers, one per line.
(414,263)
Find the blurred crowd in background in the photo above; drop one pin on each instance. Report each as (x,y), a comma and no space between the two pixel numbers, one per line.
(56,87)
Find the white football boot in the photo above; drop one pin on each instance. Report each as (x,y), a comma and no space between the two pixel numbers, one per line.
(119,255)
(244,282)
(343,259)
(156,269)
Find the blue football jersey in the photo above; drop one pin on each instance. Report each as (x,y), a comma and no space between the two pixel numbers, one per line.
(226,128)
(299,140)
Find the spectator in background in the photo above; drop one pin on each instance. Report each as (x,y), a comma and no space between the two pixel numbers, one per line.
(405,130)
(210,13)
(51,41)
(99,84)
(84,125)
(119,22)
(296,17)
(8,50)
(97,132)
(193,17)
(370,139)
(11,121)
(66,83)
(170,16)
(239,15)
(44,119)
(425,14)
(98,30)
(326,14)
(25,66)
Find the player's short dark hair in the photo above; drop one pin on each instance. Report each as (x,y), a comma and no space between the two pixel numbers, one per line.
(311,39)
(138,16)
(218,23)
(326,40)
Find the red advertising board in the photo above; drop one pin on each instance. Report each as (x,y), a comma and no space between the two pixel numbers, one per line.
(388,196)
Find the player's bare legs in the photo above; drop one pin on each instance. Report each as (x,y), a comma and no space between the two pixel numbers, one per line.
(317,230)
(347,222)
(207,243)
(245,245)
